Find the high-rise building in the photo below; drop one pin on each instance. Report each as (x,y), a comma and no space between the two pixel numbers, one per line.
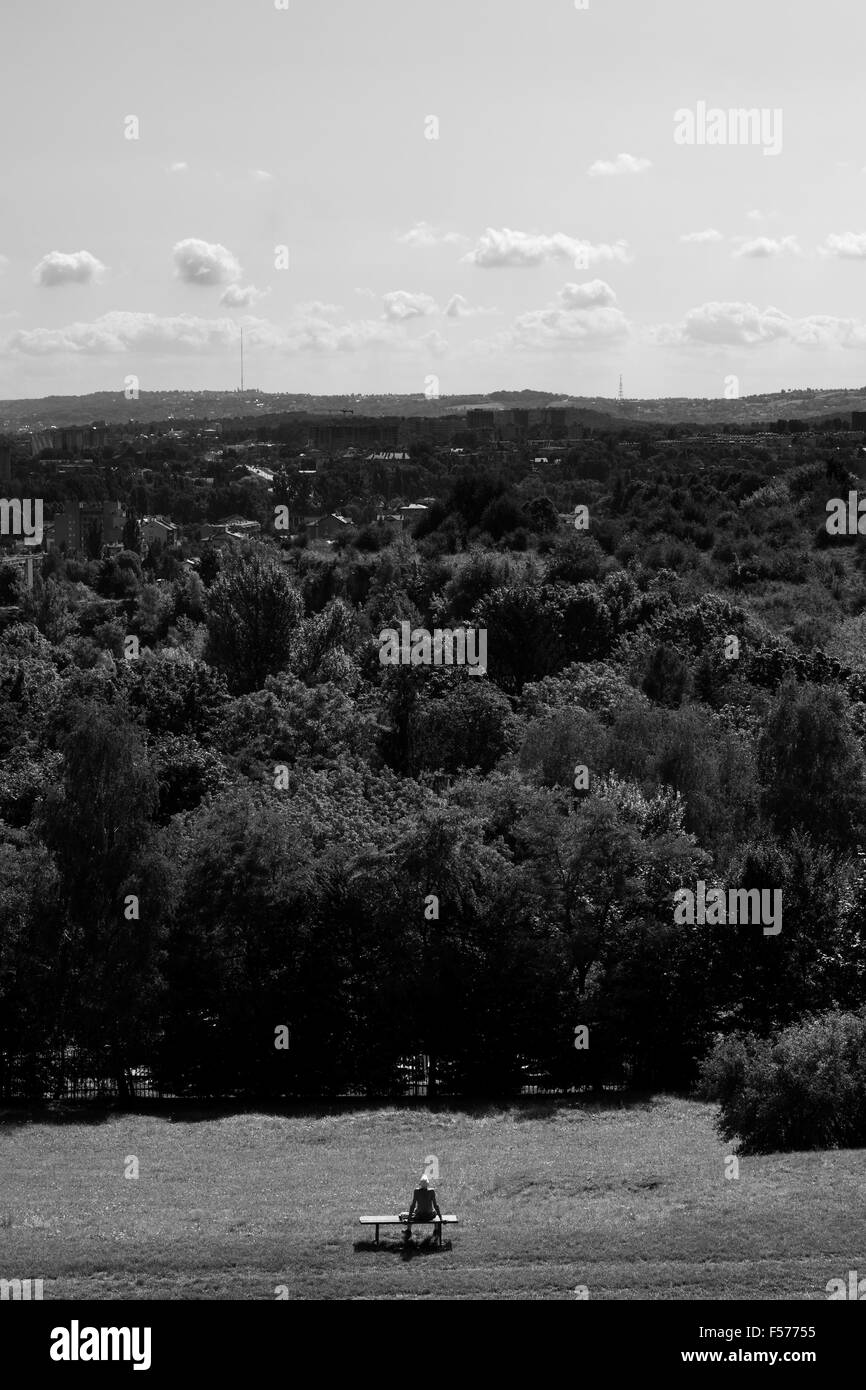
(79,521)
(480,419)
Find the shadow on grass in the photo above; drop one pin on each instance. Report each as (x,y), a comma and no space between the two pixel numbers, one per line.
(406,1249)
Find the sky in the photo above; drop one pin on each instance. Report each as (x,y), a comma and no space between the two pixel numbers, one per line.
(437,196)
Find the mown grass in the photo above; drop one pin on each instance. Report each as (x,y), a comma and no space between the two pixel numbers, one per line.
(629,1200)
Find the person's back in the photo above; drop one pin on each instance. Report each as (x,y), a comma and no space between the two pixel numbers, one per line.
(424,1205)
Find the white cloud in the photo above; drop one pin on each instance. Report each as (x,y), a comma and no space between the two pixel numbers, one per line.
(241,296)
(849,246)
(592,294)
(745,325)
(318,308)
(702,238)
(623,164)
(61,268)
(458,307)
(584,316)
(204,263)
(433,342)
(764,247)
(401,304)
(261,176)
(742,324)
(497,248)
(179,167)
(119,332)
(422,235)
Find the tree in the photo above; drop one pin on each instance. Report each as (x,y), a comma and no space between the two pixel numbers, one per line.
(98,825)
(461,721)
(811,766)
(254,612)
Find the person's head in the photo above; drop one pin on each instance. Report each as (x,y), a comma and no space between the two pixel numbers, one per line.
(422,1182)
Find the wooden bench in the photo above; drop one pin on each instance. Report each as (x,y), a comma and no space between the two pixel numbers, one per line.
(378,1221)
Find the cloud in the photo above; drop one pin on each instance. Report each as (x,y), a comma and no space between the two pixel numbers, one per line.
(745,325)
(433,342)
(623,164)
(4,263)
(458,307)
(849,246)
(401,304)
(180,167)
(702,238)
(308,330)
(319,309)
(261,176)
(241,296)
(422,235)
(583,316)
(764,247)
(121,331)
(204,263)
(60,268)
(734,323)
(592,294)
(496,249)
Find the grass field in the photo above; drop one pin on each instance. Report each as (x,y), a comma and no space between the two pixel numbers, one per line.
(630,1201)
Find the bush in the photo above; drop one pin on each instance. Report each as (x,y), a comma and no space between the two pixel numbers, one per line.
(805,1090)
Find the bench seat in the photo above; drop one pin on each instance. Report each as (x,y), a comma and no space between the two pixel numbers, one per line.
(395,1220)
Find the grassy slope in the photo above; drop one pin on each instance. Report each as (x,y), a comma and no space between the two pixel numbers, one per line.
(631,1202)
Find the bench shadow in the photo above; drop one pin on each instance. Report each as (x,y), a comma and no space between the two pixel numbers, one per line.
(407,1249)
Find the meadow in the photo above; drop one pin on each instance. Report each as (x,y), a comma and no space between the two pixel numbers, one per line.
(626,1198)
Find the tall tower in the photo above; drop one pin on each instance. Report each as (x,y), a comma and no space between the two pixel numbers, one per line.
(242,361)
(621,396)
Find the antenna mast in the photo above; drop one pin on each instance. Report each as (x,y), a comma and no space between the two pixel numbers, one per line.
(242,360)
(621,396)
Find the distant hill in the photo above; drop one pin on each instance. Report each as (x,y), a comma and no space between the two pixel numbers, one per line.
(112,407)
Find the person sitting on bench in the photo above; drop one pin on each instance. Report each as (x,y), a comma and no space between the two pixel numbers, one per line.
(424,1205)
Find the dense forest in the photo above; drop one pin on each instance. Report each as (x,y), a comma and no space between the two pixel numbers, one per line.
(243,856)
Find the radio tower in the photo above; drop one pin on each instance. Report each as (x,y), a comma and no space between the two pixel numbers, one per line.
(242,362)
(621,396)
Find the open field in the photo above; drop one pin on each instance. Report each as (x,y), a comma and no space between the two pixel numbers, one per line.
(630,1201)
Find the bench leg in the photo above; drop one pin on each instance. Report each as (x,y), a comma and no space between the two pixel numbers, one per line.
(377,1233)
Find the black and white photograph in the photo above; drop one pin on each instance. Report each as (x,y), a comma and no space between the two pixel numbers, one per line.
(432,670)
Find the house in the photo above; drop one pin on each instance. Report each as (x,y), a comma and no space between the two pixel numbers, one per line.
(324,528)
(154,528)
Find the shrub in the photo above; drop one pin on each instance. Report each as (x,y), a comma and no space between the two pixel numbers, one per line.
(804,1090)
